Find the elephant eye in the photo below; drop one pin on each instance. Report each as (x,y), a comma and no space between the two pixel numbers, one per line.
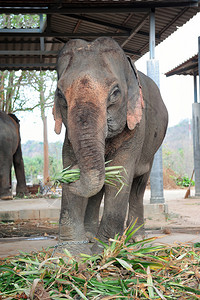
(115,93)
(60,94)
(61,97)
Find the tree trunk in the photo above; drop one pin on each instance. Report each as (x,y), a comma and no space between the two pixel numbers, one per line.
(46,154)
(45,139)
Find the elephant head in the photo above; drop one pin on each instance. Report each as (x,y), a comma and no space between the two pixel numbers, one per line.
(98,95)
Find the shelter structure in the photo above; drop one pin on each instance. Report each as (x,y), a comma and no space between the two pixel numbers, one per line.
(137,25)
(192,67)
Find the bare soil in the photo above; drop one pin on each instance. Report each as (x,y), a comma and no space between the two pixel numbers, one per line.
(183,216)
(28,229)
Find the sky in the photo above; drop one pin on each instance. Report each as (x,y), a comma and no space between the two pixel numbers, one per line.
(177,91)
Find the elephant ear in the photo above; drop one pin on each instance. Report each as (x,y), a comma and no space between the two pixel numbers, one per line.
(57,114)
(135,103)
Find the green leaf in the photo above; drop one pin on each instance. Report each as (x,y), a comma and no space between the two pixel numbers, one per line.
(124,264)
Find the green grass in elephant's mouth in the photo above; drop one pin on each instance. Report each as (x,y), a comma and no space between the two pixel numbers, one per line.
(113,176)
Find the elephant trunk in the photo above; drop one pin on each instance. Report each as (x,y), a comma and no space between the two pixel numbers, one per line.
(86,131)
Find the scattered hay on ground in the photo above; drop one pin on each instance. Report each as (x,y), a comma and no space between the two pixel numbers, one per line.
(140,270)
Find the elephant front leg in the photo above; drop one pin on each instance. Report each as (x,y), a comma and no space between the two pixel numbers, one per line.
(92,215)
(71,225)
(115,209)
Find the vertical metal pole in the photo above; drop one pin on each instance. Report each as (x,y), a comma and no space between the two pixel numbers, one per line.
(196,129)
(42,38)
(195,89)
(199,64)
(152,35)
(156,176)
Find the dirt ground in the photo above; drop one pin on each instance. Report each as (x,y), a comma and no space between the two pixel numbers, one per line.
(183,216)
(29,228)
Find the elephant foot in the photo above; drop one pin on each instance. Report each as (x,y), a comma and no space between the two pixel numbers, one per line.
(90,236)
(97,248)
(138,236)
(71,248)
(6,197)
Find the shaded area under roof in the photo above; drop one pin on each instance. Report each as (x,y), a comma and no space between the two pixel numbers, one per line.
(126,21)
(189,67)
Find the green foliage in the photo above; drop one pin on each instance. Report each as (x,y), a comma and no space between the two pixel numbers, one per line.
(184,181)
(137,270)
(33,159)
(33,168)
(55,165)
(112,176)
(20,21)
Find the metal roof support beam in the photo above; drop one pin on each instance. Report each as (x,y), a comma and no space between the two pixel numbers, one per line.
(93,21)
(135,6)
(30,66)
(135,30)
(156,176)
(24,33)
(28,52)
(106,24)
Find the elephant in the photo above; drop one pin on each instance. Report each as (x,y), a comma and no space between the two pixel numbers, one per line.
(111,112)
(10,152)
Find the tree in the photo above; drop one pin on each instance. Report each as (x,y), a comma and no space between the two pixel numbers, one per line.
(44,84)
(13,93)
(13,88)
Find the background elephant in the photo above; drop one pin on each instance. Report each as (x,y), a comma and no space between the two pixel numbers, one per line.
(10,152)
(111,112)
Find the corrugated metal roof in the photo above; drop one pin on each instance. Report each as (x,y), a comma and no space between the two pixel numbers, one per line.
(88,19)
(188,67)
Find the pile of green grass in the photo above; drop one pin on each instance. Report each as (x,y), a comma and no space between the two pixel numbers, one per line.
(124,270)
(113,176)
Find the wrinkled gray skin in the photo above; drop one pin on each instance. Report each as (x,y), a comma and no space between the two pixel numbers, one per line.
(99,101)
(10,152)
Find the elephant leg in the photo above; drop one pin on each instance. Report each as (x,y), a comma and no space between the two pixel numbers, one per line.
(92,215)
(136,208)
(73,207)
(114,214)
(71,225)
(115,206)
(18,162)
(5,186)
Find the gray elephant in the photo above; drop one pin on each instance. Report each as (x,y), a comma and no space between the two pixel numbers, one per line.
(10,152)
(111,112)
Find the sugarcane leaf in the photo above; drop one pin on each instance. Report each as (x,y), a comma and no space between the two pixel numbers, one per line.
(124,264)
